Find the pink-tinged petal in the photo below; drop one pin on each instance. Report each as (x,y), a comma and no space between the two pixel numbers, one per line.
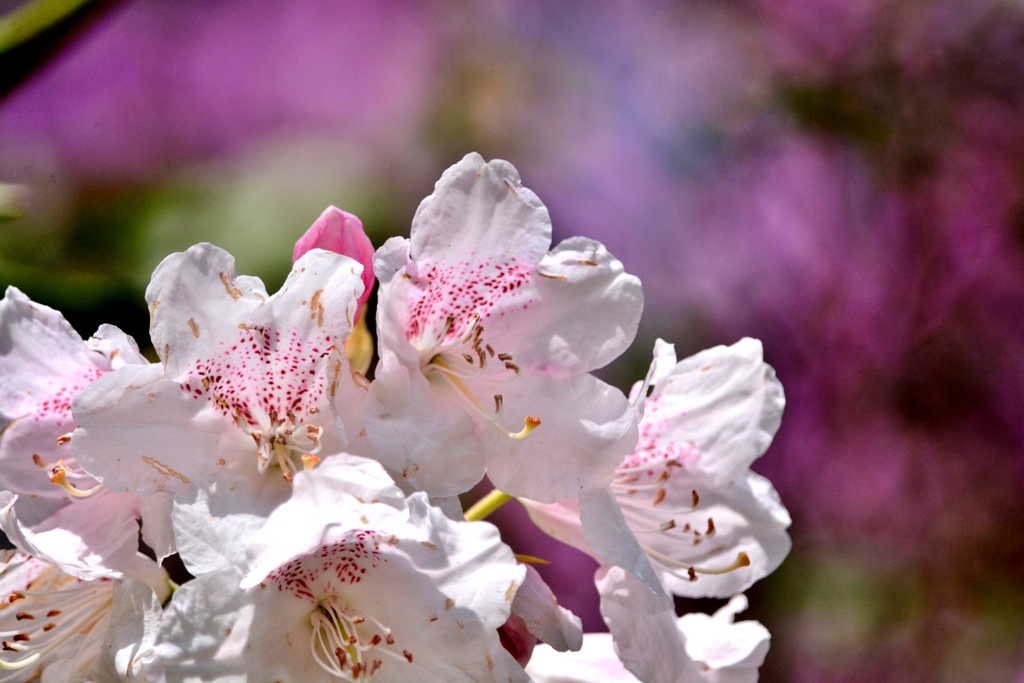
(725,402)
(538,609)
(28,448)
(430,443)
(517,639)
(342,233)
(478,210)
(586,428)
(596,662)
(42,359)
(646,636)
(141,433)
(91,539)
(196,302)
(560,521)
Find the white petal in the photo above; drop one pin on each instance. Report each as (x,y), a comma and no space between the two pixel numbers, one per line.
(734,651)
(90,539)
(157,530)
(319,296)
(726,401)
(586,428)
(430,442)
(537,606)
(196,300)
(134,623)
(205,628)
(214,521)
(583,313)
(140,432)
(607,533)
(480,209)
(646,636)
(596,662)
(116,346)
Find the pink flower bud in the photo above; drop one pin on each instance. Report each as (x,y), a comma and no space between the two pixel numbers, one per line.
(342,233)
(517,639)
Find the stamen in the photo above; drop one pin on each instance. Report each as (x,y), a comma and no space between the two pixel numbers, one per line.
(63,439)
(58,476)
(742,560)
(529,424)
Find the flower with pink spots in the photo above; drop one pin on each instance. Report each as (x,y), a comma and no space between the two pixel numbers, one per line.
(709,525)
(487,340)
(351,581)
(251,390)
(48,506)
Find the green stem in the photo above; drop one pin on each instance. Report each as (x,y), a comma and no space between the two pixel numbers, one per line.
(486,505)
(33,18)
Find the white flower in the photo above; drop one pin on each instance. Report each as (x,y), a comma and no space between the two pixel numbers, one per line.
(723,652)
(487,339)
(252,389)
(56,627)
(351,582)
(709,526)
(48,506)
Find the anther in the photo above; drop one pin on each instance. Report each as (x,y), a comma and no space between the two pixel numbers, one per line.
(63,439)
(288,476)
(659,497)
(512,366)
(498,400)
(529,424)
(696,499)
(40,463)
(58,476)
(469,358)
(711,528)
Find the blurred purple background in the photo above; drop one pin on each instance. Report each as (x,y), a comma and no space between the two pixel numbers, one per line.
(842,178)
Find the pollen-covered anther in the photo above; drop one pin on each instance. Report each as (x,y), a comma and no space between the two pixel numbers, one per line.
(59,476)
(529,424)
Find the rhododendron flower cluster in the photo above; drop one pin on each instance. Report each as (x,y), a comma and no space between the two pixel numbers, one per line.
(317,510)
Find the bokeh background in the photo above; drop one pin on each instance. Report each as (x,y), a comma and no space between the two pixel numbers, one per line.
(843,179)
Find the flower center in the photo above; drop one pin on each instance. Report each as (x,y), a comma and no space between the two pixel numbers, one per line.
(34,623)
(640,484)
(466,357)
(271,384)
(346,643)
